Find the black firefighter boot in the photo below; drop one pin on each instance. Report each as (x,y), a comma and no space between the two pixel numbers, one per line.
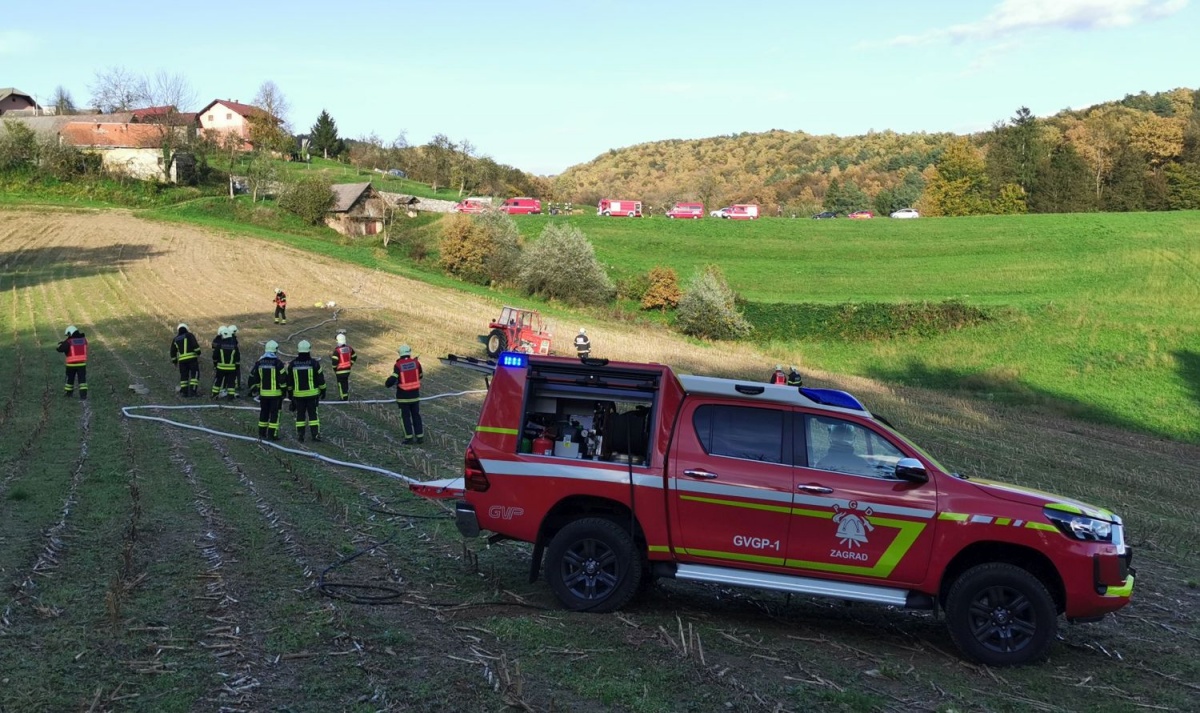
(83,394)
(315,432)
(300,434)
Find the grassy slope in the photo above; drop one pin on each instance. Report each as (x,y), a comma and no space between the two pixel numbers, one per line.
(336,172)
(1102,306)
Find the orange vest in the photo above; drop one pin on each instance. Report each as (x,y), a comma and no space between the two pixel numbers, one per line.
(343,353)
(76,350)
(409,374)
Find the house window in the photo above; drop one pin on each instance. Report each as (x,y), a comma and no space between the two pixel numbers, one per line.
(210,117)
(229,117)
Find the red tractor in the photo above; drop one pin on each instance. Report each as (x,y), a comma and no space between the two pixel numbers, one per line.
(518,330)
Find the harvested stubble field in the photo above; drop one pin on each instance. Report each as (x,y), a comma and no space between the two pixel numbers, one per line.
(146,567)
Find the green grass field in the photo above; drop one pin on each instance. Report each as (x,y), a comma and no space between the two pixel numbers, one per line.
(336,172)
(1099,313)
(148,568)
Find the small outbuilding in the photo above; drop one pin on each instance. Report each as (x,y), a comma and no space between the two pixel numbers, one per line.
(358,209)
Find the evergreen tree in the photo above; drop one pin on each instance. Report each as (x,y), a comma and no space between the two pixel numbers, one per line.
(1126,186)
(1064,184)
(325,136)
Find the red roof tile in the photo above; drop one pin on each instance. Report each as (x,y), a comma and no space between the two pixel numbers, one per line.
(140,136)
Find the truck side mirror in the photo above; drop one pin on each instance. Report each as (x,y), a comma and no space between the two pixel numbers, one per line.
(912,470)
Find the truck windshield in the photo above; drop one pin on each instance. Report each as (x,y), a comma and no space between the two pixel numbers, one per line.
(929,457)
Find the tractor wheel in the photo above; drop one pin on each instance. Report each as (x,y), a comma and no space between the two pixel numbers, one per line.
(496,343)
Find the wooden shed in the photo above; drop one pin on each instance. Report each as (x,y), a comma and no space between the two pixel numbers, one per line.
(358,209)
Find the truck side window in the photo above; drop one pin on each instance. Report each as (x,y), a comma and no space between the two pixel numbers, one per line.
(740,432)
(846,447)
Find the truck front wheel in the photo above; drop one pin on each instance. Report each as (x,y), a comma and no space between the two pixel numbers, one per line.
(1001,615)
(592,565)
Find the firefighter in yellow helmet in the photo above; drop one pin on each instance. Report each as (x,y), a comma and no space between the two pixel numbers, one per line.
(306,388)
(227,360)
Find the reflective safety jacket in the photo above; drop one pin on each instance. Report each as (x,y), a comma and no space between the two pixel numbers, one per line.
(184,347)
(582,343)
(268,377)
(408,373)
(226,355)
(778,378)
(343,358)
(305,376)
(794,379)
(280,299)
(76,349)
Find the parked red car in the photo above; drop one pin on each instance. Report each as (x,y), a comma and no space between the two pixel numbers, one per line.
(522,206)
(472,205)
(861,215)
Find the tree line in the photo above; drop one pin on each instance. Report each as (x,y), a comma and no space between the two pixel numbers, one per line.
(1139,153)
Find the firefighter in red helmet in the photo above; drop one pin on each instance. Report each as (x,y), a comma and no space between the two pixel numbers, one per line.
(75,347)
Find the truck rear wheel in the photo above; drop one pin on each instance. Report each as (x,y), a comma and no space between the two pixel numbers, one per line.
(1001,615)
(496,343)
(592,565)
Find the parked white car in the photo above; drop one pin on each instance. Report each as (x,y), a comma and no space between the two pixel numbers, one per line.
(719,213)
(906,213)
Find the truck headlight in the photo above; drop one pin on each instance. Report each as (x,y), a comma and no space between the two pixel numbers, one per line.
(1081,527)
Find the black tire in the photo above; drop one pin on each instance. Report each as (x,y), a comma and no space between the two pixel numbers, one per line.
(592,565)
(606,214)
(1001,615)
(629,214)
(496,343)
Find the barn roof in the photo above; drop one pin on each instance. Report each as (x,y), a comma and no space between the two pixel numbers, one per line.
(101,135)
(346,194)
(243,109)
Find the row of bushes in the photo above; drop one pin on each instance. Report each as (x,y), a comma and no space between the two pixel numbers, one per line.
(487,249)
(862,321)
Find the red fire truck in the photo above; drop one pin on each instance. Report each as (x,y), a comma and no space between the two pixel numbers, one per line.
(617,472)
(629,209)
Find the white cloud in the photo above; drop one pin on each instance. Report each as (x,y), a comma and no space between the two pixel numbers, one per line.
(16,42)
(1012,17)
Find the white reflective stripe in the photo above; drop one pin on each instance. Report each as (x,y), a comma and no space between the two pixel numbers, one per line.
(798,585)
(981,519)
(863,505)
(738,491)
(1018,523)
(558,468)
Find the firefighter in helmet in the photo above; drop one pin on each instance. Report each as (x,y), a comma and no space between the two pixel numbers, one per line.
(185,353)
(227,361)
(343,361)
(268,381)
(583,345)
(75,346)
(777,376)
(793,377)
(306,388)
(406,377)
(280,306)
(237,367)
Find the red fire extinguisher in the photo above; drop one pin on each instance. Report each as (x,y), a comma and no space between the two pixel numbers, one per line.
(543,446)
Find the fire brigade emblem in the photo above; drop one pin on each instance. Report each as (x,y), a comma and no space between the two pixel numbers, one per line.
(852,527)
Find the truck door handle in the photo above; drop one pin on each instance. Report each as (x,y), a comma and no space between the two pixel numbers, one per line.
(815,489)
(701,474)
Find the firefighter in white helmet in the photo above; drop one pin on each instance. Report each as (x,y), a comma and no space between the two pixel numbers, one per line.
(237,370)
(185,353)
(343,361)
(227,361)
(306,388)
(75,346)
(406,377)
(583,345)
(268,381)
(280,306)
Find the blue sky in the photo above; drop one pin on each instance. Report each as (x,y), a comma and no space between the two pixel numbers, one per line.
(546,85)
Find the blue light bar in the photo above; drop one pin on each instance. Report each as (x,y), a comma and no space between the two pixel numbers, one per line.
(513,359)
(833,397)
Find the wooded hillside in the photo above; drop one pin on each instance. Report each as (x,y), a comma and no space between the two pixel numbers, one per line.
(1139,153)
